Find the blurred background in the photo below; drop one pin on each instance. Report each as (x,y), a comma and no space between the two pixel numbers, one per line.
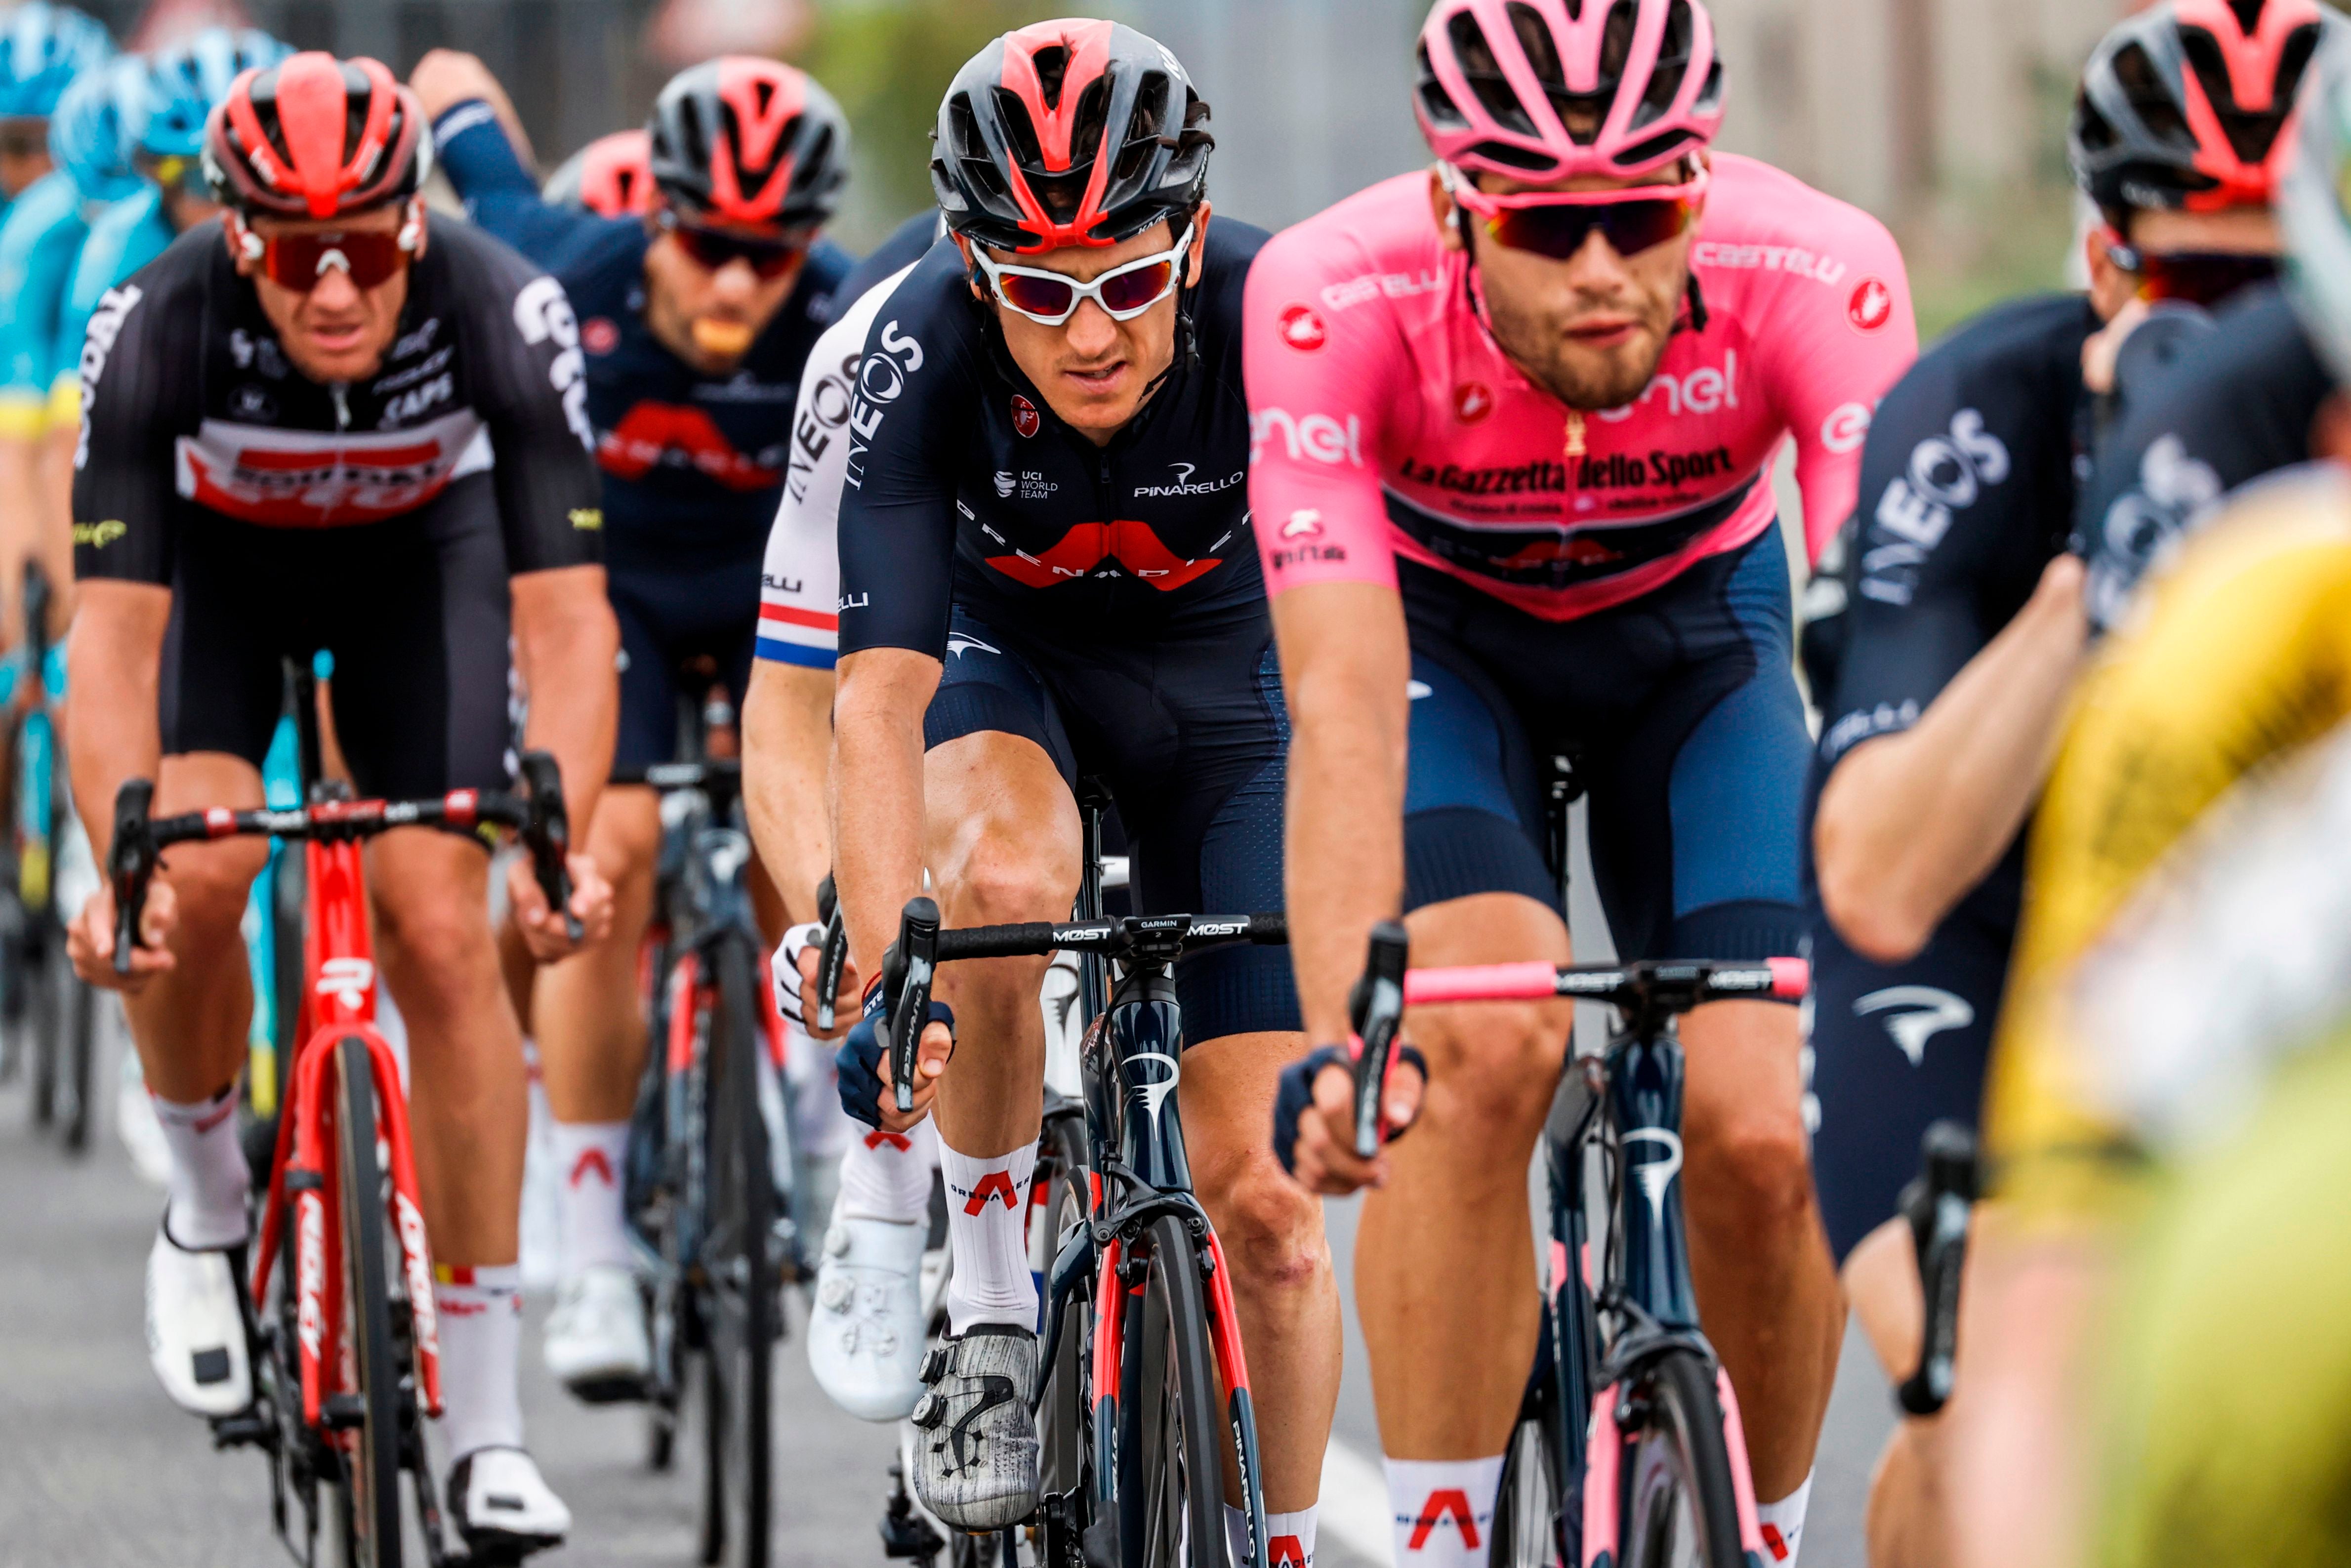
(1946,118)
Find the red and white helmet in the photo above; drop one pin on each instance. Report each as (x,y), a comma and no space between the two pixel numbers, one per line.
(1544,90)
(313,137)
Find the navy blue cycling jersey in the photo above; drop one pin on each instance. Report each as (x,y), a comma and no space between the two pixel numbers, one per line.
(1967,488)
(964,487)
(2235,406)
(692,461)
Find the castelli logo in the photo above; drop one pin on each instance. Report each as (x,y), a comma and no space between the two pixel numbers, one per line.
(1302,329)
(599,336)
(1024,416)
(1472,401)
(1871,307)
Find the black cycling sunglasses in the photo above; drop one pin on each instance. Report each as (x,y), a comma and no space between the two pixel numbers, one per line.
(2194,277)
(715,248)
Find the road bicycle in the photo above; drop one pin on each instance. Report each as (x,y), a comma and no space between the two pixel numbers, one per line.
(50,1014)
(346,1351)
(1628,1452)
(709,1165)
(1143,1401)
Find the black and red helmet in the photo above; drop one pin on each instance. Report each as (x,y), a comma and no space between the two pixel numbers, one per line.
(2189,103)
(748,142)
(313,137)
(611,176)
(1071,132)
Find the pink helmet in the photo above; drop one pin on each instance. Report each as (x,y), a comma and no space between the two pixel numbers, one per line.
(1542,89)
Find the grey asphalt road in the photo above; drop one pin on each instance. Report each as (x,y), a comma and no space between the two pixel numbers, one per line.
(101,1472)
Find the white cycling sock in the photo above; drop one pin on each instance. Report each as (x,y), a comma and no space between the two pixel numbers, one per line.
(1288,1537)
(988,1215)
(1444,1510)
(822,1130)
(589,1226)
(887,1175)
(209,1177)
(481,1331)
(1782,1524)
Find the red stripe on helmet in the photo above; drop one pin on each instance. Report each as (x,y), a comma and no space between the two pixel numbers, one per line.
(1089,46)
(2253,58)
(757,133)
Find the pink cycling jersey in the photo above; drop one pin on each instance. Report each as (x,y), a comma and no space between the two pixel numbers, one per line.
(1386,422)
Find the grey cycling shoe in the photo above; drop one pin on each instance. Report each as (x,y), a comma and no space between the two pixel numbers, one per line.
(976,1451)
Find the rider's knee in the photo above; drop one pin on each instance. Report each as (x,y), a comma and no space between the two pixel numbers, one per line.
(1001,882)
(439,943)
(1764,1159)
(1270,1227)
(211,883)
(1497,1070)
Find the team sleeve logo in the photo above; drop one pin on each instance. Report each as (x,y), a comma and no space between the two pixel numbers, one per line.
(1302,328)
(543,313)
(1871,307)
(114,307)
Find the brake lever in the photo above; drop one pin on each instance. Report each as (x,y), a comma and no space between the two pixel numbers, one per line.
(915,959)
(1377,1011)
(833,956)
(130,865)
(547,832)
(1938,1207)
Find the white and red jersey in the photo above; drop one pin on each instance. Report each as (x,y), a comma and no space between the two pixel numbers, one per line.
(1386,421)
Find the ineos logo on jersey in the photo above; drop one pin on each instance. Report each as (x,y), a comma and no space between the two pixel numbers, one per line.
(1871,307)
(880,381)
(1846,427)
(1317,437)
(825,409)
(1185,485)
(2172,487)
(105,325)
(1946,474)
(1915,1014)
(1302,328)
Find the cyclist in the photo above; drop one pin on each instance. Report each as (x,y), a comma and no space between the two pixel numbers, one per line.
(2233,661)
(1046,575)
(696,318)
(43,48)
(259,442)
(1513,422)
(611,176)
(1963,637)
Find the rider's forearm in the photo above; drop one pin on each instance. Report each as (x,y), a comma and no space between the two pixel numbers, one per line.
(1346,668)
(568,646)
(113,670)
(786,754)
(877,762)
(1909,823)
(20,509)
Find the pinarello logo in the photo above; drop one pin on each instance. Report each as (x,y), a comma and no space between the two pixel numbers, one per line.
(1871,307)
(1302,329)
(1024,416)
(599,336)
(1472,401)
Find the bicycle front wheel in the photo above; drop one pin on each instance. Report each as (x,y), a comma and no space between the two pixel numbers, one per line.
(740,1272)
(1173,1494)
(1678,1507)
(371,1455)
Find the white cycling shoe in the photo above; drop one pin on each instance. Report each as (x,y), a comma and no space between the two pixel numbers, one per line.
(503,1507)
(865,1333)
(596,1344)
(195,1334)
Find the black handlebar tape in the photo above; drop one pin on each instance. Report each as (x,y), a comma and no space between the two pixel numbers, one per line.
(130,863)
(1376,1010)
(546,831)
(918,955)
(833,956)
(1936,1206)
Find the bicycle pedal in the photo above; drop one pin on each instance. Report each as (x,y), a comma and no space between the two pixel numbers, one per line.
(251,1425)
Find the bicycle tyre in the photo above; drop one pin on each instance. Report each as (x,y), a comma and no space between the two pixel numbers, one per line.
(1526,1509)
(1065,1412)
(739,1270)
(1179,1459)
(1678,1508)
(373,1462)
(81,1052)
(40,1025)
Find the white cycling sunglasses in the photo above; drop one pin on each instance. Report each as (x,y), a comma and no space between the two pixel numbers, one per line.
(1050,298)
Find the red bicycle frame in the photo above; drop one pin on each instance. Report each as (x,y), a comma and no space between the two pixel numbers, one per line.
(339,990)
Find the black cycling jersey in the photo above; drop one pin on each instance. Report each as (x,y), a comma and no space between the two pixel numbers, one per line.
(963,486)
(694,462)
(189,406)
(1967,491)
(2237,405)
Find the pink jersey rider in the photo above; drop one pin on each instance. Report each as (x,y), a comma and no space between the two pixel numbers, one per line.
(1386,421)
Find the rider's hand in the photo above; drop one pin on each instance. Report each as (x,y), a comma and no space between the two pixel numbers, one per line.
(1314,1118)
(542,928)
(90,940)
(446,77)
(794,970)
(863,1061)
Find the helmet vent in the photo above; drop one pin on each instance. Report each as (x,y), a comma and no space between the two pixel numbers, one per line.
(1484,74)
(2148,100)
(1655,148)
(2252,133)
(1018,132)
(2249,15)
(1434,101)
(1673,66)
(1616,43)
(1144,132)
(1514,157)
(1052,64)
